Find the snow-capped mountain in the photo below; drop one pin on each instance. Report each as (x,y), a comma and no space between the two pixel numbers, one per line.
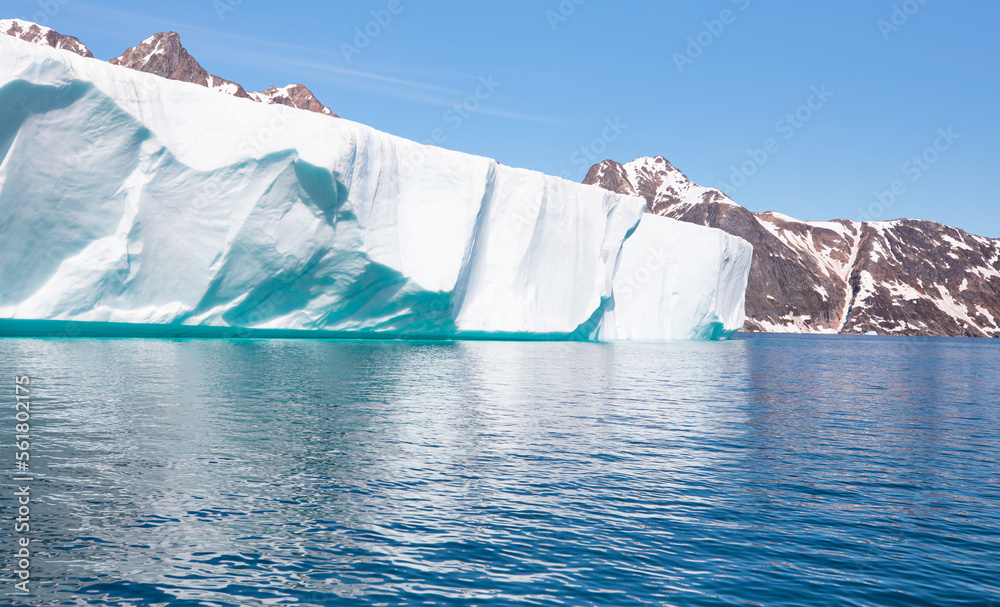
(903,277)
(293,95)
(164,55)
(39,34)
(159,203)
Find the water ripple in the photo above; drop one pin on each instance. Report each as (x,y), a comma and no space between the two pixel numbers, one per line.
(767,471)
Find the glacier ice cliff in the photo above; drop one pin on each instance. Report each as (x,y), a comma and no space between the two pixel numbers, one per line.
(678,281)
(127,198)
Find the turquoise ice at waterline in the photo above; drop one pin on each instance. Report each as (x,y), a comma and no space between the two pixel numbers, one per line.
(173,211)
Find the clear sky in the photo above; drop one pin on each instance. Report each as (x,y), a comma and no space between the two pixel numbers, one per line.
(700,83)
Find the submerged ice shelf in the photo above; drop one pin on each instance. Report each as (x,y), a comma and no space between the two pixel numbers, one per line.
(134,199)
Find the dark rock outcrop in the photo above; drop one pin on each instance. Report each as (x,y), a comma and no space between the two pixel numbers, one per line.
(38,34)
(293,95)
(164,55)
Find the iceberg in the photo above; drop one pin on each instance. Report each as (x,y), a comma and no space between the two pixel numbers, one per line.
(678,280)
(133,200)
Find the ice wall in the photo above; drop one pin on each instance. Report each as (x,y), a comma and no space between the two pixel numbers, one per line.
(135,199)
(678,280)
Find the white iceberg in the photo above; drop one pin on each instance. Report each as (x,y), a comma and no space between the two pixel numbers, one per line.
(128,198)
(678,280)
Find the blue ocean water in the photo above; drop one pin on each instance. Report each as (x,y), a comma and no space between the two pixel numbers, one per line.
(760,471)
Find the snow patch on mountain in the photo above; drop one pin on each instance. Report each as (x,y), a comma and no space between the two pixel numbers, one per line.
(163,54)
(46,36)
(659,182)
(292,95)
(835,276)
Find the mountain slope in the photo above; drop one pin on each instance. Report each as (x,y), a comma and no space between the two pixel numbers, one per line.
(164,55)
(904,277)
(39,34)
(293,95)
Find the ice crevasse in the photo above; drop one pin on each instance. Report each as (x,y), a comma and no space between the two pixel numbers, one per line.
(128,198)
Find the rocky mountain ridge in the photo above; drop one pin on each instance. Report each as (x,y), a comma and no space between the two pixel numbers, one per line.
(39,34)
(164,55)
(902,277)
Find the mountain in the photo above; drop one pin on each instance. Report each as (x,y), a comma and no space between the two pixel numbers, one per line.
(293,95)
(163,55)
(135,199)
(38,34)
(903,277)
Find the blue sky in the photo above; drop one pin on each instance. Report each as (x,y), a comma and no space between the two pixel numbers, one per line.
(699,83)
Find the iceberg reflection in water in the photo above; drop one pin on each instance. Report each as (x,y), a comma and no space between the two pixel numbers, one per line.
(256,472)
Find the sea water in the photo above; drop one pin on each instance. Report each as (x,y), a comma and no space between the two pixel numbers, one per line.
(760,471)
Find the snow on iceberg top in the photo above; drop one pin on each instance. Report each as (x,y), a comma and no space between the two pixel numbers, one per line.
(196,208)
(206,130)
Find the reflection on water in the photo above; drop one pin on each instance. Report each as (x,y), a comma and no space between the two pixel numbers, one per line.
(770,470)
